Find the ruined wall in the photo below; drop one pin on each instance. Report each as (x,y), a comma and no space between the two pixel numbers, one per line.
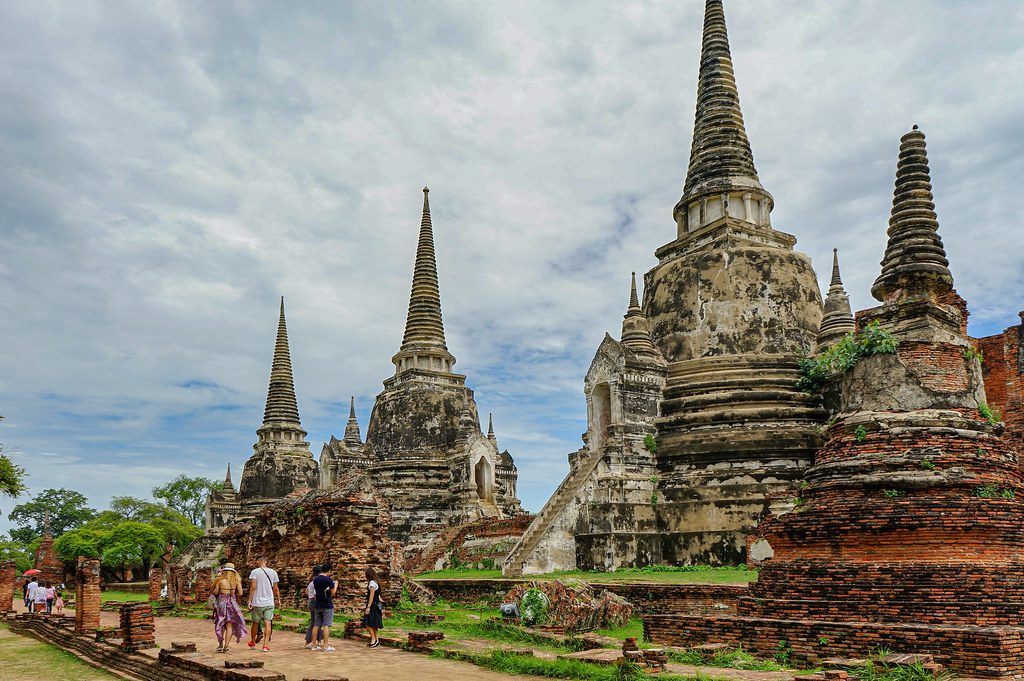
(345,525)
(1003,368)
(481,544)
(87,596)
(8,580)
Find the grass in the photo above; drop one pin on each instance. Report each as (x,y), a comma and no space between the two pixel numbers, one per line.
(26,659)
(510,663)
(122,596)
(879,671)
(686,574)
(635,629)
(731,659)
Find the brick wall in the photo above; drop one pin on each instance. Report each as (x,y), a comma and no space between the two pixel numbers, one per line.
(138,630)
(1003,368)
(977,651)
(87,596)
(679,599)
(156,582)
(8,581)
(451,545)
(345,525)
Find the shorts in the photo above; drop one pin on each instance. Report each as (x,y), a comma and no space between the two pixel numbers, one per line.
(323,617)
(260,613)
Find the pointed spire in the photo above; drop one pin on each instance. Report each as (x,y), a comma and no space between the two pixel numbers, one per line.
(490,429)
(915,262)
(281,403)
(352,438)
(836,279)
(47,528)
(636,333)
(227,478)
(424,329)
(720,157)
(837,320)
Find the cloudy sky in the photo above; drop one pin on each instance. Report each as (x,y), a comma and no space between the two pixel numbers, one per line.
(167,170)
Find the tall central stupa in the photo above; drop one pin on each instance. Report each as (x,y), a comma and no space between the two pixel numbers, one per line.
(731,307)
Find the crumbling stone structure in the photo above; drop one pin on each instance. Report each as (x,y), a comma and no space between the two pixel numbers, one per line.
(8,580)
(339,456)
(910,529)
(1002,365)
(156,583)
(837,320)
(49,564)
(603,515)
(575,606)
(222,506)
(424,446)
(345,525)
(87,596)
(730,308)
(138,630)
(481,544)
(281,460)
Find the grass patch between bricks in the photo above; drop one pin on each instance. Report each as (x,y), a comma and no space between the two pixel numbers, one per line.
(510,663)
(731,659)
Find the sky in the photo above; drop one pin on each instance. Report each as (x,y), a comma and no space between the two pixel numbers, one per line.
(169,169)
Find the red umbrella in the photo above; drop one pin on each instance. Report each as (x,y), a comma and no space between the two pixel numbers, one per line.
(33,571)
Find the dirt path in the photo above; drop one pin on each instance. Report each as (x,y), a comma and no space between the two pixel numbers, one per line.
(352,658)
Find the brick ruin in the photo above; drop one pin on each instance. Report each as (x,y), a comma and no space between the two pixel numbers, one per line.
(156,583)
(1002,365)
(87,596)
(49,564)
(8,582)
(481,544)
(345,525)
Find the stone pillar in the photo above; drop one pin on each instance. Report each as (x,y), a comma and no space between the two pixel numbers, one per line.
(138,630)
(156,580)
(8,578)
(87,596)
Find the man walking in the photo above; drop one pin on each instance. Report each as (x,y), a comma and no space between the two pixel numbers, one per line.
(323,609)
(263,597)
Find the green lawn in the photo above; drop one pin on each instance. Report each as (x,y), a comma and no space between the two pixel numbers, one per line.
(689,574)
(26,659)
(122,596)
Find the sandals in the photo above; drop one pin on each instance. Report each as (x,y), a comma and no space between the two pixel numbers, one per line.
(221,649)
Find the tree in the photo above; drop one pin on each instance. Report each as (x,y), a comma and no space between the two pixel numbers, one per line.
(67,509)
(132,543)
(80,542)
(177,530)
(19,552)
(187,495)
(12,476)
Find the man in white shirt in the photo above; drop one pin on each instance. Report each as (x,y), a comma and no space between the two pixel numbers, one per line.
(263,597)
(30,594)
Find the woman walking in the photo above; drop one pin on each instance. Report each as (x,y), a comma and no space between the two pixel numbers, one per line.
(51,593)
(228,618)
(373,614)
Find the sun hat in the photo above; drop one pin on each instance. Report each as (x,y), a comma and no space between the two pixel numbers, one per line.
(228,566)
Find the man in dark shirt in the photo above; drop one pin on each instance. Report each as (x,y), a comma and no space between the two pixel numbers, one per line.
(324,589)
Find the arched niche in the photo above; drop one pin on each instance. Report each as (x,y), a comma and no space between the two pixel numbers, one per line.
(483,475)
(601,413)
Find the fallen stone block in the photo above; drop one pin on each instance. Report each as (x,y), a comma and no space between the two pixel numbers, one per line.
(183,646)
(243,664)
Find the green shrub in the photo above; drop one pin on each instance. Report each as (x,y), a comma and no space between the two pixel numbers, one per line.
(843,356)
(989,414)
(534,607)
(650,443)
(861,433)
(893,493)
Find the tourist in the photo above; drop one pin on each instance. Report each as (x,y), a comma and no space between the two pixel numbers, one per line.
(373,614)
(26,593)
(228,617)
(51,593)
(311,596)
(323,612)
(59,603)
(263,596)
(39,597)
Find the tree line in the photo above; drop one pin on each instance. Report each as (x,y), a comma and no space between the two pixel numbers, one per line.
(132,533)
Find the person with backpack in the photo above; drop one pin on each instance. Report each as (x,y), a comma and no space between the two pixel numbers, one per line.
(323,611)
(263,597)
